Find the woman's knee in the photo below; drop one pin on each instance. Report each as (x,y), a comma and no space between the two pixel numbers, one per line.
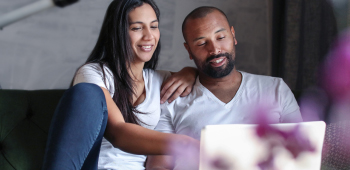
(86,92)
(83,98)
(86,89)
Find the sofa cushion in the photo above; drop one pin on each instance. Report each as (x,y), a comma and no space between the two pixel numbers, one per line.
(25,118)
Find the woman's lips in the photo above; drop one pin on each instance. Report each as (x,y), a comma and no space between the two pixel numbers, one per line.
(146,48)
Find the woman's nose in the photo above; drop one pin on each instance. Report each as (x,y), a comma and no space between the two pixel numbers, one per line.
(147,34)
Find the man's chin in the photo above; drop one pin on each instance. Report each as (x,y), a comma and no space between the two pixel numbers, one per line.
(219,74)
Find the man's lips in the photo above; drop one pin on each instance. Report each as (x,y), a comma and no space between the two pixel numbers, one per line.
(217,62)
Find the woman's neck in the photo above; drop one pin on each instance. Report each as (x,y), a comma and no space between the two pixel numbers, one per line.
(136,71)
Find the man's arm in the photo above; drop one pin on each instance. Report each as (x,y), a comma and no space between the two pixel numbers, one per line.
(160,162)
(290,109)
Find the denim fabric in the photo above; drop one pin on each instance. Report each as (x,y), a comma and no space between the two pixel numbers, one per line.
(77,129)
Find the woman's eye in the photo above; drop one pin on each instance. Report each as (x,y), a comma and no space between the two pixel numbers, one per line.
(154,27)
(135,28)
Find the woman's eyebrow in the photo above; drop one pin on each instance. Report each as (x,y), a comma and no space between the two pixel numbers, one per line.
(154,21)
(140,22)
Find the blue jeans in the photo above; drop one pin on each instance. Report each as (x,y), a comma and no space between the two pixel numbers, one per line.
(77,129)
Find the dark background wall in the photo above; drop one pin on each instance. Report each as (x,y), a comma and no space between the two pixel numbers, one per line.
(44,50)
(303,33)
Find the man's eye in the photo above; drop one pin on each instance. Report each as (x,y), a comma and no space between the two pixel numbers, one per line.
(220,38)
(201,44)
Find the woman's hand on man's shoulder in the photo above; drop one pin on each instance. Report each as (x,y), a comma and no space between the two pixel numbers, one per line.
(178,84)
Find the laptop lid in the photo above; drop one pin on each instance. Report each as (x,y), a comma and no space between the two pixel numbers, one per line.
(238,147)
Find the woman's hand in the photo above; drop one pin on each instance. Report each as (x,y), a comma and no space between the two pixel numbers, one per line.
(178,84)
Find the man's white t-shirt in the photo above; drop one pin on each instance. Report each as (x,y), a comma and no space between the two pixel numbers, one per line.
(188,115)
(114,158)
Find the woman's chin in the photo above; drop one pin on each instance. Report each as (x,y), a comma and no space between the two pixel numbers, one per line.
(143,59)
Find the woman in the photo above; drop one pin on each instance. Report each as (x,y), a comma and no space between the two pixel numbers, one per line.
(118,91)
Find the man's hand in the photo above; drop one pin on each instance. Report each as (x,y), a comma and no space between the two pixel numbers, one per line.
(178,84)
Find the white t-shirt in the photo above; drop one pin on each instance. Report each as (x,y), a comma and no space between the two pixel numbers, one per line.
(188,115)
(114,158)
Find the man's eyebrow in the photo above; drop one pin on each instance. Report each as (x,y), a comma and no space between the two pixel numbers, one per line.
(139,22)
(197,39)
(222,29)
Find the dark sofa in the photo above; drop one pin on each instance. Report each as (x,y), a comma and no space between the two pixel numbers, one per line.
(25,117)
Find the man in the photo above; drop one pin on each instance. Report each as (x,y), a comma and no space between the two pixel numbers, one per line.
(221,95)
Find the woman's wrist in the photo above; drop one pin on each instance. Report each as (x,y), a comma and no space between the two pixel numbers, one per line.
(181,144)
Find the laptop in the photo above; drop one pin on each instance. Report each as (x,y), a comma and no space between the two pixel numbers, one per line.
(238,147)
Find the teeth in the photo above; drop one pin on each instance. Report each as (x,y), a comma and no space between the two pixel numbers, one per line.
(218,61)
(146,46)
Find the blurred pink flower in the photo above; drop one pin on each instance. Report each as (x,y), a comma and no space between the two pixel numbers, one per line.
(268,164)
(313,104)
(186,155)
(336,69)
(296,143)
(221,164)
(294,140)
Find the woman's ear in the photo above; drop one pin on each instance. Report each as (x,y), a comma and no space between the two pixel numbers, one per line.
(233,34)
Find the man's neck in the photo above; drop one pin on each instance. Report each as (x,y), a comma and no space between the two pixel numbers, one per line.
(224,88)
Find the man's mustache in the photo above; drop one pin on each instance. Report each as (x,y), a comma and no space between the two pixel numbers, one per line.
(227,55)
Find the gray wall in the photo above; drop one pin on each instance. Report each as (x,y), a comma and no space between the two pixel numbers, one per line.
(44,50)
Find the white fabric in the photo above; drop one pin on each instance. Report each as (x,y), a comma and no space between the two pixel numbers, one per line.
(110,157)
(188,115)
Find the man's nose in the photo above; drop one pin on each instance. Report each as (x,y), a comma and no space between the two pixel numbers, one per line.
(213,48)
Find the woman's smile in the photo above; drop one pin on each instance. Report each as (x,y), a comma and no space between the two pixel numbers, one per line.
(146,48)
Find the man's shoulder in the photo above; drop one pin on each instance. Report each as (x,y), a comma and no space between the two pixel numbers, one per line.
(259,76)
(261,79)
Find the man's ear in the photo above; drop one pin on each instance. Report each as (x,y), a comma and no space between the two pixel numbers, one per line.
(188,50)
(233,34)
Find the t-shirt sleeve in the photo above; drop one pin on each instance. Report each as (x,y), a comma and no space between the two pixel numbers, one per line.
(165,124)
(290,108)
(92,73)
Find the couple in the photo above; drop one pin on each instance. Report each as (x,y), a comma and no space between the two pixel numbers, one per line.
(107,119)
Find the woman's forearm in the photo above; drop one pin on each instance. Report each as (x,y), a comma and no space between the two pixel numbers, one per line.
(139,140)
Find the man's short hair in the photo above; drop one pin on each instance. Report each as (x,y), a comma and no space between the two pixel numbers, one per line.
(200,12)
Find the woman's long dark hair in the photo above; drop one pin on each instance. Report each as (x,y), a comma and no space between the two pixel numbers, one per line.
(113,49)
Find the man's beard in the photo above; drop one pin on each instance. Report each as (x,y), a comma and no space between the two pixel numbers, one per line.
(216,72)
